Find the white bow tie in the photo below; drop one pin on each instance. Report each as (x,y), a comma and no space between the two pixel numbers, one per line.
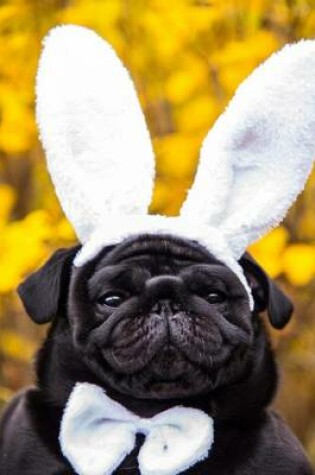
(97,433)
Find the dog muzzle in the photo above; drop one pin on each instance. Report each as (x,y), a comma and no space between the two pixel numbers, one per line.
(97,434)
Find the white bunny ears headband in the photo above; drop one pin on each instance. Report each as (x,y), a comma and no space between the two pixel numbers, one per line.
(253,164)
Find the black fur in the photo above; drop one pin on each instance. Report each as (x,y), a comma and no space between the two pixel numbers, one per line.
(172,345)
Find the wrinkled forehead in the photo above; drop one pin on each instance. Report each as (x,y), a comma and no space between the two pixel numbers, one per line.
(146,256)
(157,249)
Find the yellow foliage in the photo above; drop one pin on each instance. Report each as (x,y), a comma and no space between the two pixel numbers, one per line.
(182,84)
(5,394)
(168,196)
(12,118)
(16,347)
(269,250)
(177,155)
(299,263)
(22,248)
(307,223)
(64,231)
(7,199)
(239,58)
(250,50)
(199,113)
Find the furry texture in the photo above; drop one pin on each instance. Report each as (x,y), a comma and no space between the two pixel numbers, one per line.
(254,162)
(257,158)
(97,433)
(97,145)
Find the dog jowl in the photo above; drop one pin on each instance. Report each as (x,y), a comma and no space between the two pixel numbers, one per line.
(155,322)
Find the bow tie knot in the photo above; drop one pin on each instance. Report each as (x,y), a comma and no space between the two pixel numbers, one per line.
(97,434)
(144,426)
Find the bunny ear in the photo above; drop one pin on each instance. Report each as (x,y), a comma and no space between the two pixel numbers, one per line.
(257,158)
(97,144)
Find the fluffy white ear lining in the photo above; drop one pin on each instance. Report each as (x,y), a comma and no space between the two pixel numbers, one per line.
(97,144)
(257,158)
(254,162)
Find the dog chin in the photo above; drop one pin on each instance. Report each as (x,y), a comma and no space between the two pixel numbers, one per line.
(170,375)
(148,384)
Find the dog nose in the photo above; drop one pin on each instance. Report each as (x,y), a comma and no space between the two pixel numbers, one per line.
(166,307)
(165,294)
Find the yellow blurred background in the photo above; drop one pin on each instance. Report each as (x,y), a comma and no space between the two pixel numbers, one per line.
(186,57)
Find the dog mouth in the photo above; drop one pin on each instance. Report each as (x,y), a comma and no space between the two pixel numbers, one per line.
(160,379)
(171,375)
(168,374)
(150,357)
(169,364)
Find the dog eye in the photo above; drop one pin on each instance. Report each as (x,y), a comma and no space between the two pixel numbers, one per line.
(111,299)
(216,296)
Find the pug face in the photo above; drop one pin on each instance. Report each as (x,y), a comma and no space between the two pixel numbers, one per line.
(153,318)
(160,318)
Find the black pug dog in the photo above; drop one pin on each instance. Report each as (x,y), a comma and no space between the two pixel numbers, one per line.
(156,321)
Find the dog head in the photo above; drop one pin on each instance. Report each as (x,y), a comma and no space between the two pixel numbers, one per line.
(156,317)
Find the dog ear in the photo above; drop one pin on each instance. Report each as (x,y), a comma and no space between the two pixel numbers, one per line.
(266,293)
(43,292)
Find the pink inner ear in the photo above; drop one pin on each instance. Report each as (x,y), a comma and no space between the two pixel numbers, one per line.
(253,138)
(246,140)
